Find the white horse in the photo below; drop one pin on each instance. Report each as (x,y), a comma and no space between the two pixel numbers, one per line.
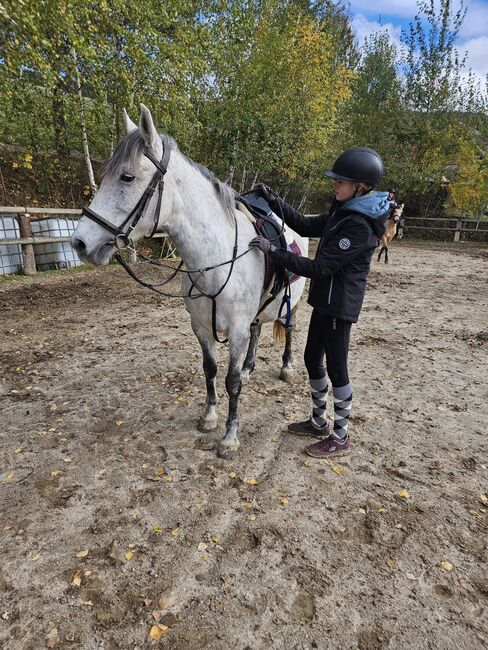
(199,213)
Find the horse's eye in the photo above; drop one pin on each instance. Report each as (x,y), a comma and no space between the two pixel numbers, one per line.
(126,178)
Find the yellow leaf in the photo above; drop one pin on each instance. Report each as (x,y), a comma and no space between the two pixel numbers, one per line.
(129,555)
(404,494)
(248,506)
(157,529)
(205,557)
(283,501)
(232,474)
(82,553)
(76,579)
(159,472)
(216,540)
(88,603)
(157,631)
(381,509)
(168,478)
(131,545)
(252,517)
(250,481)
(57,472)
(338,469)
(87,573)
(10,476)
(447,566)
(175,532)
(35,557)
(483,498)
(18,450)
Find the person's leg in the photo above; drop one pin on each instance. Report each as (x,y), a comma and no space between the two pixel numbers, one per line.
(336,351)
(314,362)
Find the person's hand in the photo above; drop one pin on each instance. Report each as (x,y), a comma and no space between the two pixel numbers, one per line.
(262,243)
(264,191)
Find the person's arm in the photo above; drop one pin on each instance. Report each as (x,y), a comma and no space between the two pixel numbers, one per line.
(352,240)
(302,225)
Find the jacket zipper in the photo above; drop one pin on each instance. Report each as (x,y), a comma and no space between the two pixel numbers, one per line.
(330,288)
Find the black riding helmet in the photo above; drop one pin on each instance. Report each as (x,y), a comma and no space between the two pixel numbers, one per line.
(359,164)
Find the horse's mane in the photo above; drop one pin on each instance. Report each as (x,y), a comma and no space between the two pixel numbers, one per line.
(131,148)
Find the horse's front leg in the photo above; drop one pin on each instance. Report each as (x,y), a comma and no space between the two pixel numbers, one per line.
(250,360)
(237,349)
(208,421)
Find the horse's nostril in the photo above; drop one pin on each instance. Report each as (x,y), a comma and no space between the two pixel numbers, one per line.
(78,245)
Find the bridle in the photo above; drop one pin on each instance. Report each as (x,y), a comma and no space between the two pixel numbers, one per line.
(121,235)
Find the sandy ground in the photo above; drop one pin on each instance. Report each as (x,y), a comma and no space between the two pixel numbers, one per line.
(100,456)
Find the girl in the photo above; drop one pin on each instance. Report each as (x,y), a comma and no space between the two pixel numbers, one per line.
(348,234)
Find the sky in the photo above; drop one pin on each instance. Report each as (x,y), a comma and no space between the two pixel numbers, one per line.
(395,15)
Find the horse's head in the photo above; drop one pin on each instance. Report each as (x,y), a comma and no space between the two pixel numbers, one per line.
(126,206)
(397,212)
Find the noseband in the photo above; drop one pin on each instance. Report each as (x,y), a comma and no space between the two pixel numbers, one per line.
(121,236)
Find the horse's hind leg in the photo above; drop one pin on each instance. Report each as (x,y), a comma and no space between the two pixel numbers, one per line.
(379,254)
(386,254)
(250,360)
(208,421)
(287,373)
(237,350)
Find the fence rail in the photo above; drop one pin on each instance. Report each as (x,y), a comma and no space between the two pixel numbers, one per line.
(28,240)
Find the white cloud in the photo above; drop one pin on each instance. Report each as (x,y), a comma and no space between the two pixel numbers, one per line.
(476,21)
(363,27)
(477,49)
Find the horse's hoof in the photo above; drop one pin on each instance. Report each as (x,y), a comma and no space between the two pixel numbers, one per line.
(287,375)
(205,426)
(225,453)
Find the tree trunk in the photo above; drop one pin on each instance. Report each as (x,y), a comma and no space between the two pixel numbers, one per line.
(84,135)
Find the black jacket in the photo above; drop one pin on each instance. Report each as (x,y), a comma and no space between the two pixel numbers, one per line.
(342,261)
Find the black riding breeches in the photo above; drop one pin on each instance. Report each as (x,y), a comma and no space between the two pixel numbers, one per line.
(329,337)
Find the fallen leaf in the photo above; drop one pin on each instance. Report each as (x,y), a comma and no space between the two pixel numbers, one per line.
(10,476)
(82,553)
(252,517)
(18,450)
(157,631)
(202,546)
(88,603)
(274,439)
(283,501)
(156,614)
(391,563)
(404,494)
(205,557)
(77,579)
(483,498)
(52,638)
(129,555)
(159,472)
(175,532)
(307,463)
(165,602)
(362,511)
(131,545)
(119,422)
(381,509)
(35,557)
(67,459)
(337,469)
(56,472)
(168,478)
(250,481)
(447,566)
(410,576)
(232,474)
(248,506)
(87,573)
(216,540)
(157,529)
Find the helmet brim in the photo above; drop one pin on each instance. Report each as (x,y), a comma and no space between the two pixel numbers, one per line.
(338,177)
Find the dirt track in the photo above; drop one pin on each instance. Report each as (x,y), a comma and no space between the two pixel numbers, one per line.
(100,392)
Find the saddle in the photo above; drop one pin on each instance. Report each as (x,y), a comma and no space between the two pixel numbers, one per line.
(267,224)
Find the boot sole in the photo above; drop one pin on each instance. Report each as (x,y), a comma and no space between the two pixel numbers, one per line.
(334,454)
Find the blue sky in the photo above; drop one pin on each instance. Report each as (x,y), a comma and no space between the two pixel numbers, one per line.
(396,14)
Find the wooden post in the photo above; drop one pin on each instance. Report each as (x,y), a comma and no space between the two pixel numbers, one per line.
(28,258)
(457,232)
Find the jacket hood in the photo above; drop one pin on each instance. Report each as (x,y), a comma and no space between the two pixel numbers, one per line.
(374,206)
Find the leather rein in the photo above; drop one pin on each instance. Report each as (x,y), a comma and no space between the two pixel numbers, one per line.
(123,241)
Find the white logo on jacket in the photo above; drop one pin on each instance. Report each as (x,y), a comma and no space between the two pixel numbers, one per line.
(344,243)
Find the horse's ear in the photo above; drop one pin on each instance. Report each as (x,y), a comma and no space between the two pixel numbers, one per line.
(129,124)
(147,128)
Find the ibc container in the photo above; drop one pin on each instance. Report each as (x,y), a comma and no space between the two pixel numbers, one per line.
(10,256)
(56,255)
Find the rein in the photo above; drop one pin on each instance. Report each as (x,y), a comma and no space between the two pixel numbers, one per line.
(123,241)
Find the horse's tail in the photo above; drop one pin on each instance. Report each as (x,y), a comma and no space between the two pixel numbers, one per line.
(279,332)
